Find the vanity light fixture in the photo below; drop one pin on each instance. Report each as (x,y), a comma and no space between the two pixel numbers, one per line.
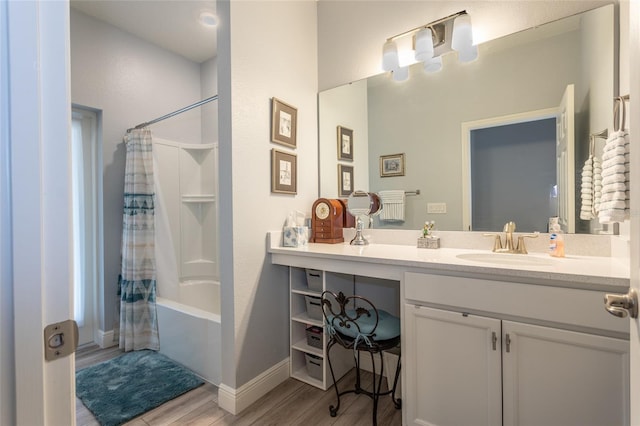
(430,42)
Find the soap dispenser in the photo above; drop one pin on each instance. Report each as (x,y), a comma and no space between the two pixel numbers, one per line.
(556,239)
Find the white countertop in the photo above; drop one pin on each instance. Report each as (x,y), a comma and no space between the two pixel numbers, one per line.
(391,261)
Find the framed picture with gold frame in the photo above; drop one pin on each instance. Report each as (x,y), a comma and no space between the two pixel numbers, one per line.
(284,123)
(345,144)
(284,172)
(345,180)
(392,165)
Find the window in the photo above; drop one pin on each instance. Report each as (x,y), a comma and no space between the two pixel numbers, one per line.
(86,216)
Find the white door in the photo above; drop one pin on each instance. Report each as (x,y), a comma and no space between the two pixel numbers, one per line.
(40,117)
(556,377)
(565,166)
(454,360)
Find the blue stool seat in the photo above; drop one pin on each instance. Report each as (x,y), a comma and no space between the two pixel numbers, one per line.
(387,327)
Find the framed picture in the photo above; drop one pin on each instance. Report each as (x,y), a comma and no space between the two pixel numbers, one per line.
(392,165)
(284,123)
(284,172)
(345,143)
(345,180)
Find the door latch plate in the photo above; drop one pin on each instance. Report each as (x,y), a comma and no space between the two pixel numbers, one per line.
(60,339)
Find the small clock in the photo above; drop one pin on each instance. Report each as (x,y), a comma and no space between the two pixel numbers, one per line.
(327,217)
(322,210)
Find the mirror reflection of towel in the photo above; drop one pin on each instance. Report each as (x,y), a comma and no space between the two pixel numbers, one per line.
(614,205)
(392,205)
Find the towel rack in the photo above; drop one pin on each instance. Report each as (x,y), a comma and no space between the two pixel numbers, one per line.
(592,140)
(416,192)
(619,122)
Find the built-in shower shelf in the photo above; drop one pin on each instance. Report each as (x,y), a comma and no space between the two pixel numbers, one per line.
(187,186)
(197,146)
(200,198)
(199,262)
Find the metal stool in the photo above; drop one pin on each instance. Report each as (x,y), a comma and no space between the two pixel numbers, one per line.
(361,327)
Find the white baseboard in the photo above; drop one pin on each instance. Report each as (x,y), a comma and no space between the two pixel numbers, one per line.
(104,339)
(236,400)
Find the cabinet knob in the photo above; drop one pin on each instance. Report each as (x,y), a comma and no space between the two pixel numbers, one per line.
(622,305)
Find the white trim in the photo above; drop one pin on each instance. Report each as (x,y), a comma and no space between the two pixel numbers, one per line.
(40,117)
(7,363)
(634,128)
(236,400)
(467,127)
(105,339)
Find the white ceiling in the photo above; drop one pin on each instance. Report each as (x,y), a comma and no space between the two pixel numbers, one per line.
(172,24)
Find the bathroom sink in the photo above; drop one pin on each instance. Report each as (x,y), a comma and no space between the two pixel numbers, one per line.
(506,259)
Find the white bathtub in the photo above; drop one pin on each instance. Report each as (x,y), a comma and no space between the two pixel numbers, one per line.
(191,336)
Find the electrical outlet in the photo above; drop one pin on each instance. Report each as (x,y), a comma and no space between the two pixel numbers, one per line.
(437,208)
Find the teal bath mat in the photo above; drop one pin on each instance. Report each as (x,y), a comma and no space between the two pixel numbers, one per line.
(122,388)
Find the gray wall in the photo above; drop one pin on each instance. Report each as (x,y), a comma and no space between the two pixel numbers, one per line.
(129,81)
(422,116)
(268,49)
(351,33)
(513,169)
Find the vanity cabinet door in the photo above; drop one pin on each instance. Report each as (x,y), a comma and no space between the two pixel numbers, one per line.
(454,364)
(559,377)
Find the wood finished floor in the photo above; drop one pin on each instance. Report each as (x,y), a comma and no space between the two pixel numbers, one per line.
(291,403)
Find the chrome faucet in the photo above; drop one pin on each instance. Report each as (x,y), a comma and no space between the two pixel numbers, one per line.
(509,246)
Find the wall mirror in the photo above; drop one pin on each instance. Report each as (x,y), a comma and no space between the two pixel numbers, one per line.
(424,119)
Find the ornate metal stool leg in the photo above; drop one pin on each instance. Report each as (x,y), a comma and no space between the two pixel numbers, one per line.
(376,389)
(333,410)
(397,402)
(358,388)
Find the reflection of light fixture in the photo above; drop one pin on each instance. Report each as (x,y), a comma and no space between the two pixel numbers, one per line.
(390,59)
(401,73)
(430,42)
(462,39)
(208,19)
(433,64)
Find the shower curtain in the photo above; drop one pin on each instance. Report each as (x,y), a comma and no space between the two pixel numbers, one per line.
(138,324)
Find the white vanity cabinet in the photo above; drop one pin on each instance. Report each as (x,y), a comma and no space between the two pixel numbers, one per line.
(456,372)
(495,353)
(559,377)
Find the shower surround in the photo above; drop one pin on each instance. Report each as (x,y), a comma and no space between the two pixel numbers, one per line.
(188,300)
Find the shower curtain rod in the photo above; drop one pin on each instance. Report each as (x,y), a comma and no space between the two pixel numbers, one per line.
(171,114)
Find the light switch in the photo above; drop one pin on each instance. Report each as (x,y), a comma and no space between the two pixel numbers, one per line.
(437,208)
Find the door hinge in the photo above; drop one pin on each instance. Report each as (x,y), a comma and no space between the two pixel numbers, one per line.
(60,339)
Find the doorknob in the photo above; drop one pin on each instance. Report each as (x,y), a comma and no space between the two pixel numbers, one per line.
(622,304)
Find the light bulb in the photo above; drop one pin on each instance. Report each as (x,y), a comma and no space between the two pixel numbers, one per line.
(469,54)
(433,64)
(208,19)
(401,74)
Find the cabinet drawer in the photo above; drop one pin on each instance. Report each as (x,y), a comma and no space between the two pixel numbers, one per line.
(574,307)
